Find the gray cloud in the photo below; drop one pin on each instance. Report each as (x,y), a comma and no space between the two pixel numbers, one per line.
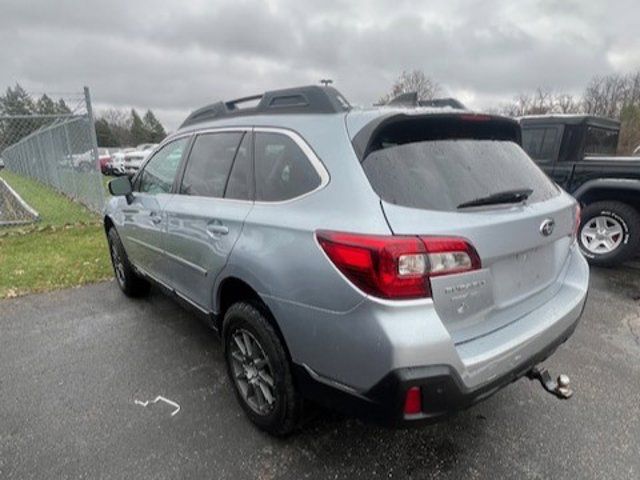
(173,57)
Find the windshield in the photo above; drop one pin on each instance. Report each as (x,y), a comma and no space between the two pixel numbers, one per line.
(443,174)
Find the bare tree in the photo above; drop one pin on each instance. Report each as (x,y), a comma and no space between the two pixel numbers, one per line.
(615,96)
(566,103)
(120,123)
(629,138)
(607,96)
(116,116)
(634,89)
(520,105)
(413,81)
(540,102)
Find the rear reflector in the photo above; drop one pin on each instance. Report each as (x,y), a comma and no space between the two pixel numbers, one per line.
(397,267)
(413,401)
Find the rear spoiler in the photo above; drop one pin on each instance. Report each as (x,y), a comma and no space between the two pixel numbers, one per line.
(411,127)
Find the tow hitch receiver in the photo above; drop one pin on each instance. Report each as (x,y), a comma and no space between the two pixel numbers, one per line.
(560,387)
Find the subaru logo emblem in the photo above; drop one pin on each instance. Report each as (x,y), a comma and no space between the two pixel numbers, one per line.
(546,228)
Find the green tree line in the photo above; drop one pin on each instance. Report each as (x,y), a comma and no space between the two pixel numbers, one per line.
(21,114)
(116,128)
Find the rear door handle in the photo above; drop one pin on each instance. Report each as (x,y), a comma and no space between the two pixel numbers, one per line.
(217,229)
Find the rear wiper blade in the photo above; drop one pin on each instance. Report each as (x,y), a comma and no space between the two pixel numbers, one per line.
(508,196)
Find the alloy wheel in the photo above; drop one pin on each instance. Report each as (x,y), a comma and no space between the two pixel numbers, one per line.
(252,372)
(118,265)
(601,235)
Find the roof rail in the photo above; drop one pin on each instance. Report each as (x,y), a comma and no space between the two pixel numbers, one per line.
(307,99)
(410,99)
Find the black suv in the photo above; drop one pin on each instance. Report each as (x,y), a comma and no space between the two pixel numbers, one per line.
(578,153)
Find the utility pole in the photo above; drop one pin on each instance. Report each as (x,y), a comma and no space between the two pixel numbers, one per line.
(326,81)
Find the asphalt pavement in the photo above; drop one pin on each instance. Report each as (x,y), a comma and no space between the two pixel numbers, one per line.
(73,363)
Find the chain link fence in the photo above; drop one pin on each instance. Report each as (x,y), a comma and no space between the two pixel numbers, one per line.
(58,149)
(13,209)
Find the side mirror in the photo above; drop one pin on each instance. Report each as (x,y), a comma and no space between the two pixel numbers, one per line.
(120,187)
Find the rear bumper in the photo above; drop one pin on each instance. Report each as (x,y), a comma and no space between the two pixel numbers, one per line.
(443,391)
(366,371)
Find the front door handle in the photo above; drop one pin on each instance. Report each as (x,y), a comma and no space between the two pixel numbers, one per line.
(217,229)
(155,218)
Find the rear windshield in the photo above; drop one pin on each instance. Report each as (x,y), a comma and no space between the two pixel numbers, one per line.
(442,174)
(601,141)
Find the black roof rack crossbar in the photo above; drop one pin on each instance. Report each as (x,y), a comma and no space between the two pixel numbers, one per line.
(233,104)
(307,99)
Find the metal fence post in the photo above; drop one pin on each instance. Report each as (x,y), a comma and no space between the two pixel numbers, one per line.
(94,139)
(53,163)
(71,174)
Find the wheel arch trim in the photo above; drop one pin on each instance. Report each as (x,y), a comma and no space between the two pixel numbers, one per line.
(621,184)
(263,299)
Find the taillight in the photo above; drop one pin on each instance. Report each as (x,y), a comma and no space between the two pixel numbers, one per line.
(397,267)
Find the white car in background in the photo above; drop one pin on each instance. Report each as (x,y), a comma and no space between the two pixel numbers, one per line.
(117,161)
(133,159)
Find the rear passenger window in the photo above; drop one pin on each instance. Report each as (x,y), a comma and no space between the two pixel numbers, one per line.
(532,141)
(548,147)
(240,183)
(209,164)
(283,171)
(540,143)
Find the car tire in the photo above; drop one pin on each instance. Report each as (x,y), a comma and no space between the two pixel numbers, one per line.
(128,280)
(609,233)
(259,369)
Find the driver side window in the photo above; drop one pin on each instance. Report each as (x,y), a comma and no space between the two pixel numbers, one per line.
(160,172)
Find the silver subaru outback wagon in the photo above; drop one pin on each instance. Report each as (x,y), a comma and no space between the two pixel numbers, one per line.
(395,263)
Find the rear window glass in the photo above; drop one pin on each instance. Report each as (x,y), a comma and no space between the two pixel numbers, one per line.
(601,141)
(283,171)
(442,174)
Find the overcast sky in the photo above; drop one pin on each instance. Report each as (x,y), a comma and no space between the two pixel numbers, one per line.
(173,57)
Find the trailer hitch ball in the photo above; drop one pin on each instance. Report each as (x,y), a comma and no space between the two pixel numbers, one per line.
(560,387)
(563,386)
